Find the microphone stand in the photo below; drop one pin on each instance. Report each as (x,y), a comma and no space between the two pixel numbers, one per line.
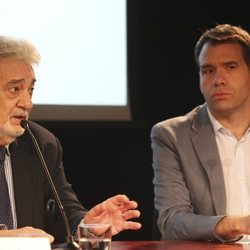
(70,244)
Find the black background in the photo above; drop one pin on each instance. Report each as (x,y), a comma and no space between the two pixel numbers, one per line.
(102,159)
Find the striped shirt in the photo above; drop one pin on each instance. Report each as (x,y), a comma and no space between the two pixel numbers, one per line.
(9,179)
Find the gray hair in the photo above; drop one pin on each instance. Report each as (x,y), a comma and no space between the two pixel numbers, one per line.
(20,49)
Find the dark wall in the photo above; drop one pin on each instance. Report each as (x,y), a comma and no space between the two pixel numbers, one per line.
(164,35)
(106,158)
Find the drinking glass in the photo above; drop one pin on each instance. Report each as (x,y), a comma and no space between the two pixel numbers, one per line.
(94,236)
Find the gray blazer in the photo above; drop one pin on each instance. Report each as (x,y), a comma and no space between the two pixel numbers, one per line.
(189,187)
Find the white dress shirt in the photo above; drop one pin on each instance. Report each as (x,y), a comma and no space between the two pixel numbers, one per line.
(235,160)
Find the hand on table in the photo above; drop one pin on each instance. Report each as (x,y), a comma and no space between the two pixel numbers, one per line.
(27,231)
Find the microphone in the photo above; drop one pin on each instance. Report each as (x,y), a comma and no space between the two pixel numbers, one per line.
(70,244)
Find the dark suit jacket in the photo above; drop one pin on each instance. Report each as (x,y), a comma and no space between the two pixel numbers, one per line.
(189,187)
(33,197)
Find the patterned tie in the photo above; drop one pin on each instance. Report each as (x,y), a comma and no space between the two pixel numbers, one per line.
(5,208)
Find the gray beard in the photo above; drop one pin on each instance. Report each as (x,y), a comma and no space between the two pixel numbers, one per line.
(7,136)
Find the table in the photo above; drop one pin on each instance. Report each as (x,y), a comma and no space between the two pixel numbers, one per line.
(176,245)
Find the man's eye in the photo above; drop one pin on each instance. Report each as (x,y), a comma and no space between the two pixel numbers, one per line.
(14,89)
(206,71)
(230,67)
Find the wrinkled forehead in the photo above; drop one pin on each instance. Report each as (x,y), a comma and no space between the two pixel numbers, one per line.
(13,68)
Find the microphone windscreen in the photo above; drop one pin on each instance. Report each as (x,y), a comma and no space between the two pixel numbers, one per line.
(24,123)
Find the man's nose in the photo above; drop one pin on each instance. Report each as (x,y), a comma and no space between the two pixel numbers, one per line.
(218,78)
(25,101)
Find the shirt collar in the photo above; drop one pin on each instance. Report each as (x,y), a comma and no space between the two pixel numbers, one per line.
(219,128)
(7,149)
(216,125)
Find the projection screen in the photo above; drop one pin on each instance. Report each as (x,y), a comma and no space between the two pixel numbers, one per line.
(83,47)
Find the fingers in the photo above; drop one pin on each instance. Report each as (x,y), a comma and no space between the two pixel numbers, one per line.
(123,202)
(117,210)
(118,199)
(130,214)
(131,225)
(130,205)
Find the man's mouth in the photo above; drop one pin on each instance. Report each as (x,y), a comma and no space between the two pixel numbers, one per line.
(221,95)
(19,117)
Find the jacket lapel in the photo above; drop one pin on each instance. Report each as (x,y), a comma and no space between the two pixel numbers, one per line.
(205,145)
(26,180)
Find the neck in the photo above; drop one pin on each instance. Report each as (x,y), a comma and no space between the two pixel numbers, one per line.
(238,124)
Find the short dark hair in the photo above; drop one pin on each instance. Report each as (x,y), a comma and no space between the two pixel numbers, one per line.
(225,33)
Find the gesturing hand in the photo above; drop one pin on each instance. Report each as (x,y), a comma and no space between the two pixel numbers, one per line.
(117,211)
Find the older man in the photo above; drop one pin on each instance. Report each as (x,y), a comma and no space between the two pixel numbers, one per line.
(26,200)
